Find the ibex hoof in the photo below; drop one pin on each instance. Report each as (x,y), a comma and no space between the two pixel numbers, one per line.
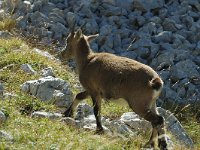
(68,113)
(99,131)
(162,145)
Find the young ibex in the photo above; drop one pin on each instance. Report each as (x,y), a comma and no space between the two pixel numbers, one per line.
(108,76)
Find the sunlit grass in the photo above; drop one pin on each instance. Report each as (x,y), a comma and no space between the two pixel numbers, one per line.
(7,24)
(7,45)
(33,133)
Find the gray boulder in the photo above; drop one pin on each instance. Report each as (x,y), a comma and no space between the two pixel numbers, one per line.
(20,7)
(2,117)
(128,5)
(47,72)
(83,110)
(134,121)
(49,88)
(165,36)
(164,59)
(91,27)
(145,6)
(72,122)
(39,5)
(71,19)
(43,53)
(169,25)
(184,69)
(28,69)
(105,30)
(62,99)
(59,30)
(38,19)
(119,128)
(57,16)
(6,136)
(1,90)
(109,10)
(22,22)
(129,54)
(49,115)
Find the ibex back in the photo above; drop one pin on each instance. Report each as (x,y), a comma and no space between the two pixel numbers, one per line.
(111,77)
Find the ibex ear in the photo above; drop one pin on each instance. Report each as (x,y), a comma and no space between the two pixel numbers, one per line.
(92,37)
(78,33)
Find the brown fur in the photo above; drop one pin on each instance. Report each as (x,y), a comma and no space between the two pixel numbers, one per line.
(108,76)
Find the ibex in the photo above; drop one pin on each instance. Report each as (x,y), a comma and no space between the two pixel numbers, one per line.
(112,77)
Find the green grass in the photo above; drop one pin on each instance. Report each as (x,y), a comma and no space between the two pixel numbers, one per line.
(32,133)
(7,24)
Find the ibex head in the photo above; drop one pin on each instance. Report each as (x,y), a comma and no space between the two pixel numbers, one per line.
(73,42)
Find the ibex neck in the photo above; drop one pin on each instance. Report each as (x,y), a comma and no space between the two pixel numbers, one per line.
(82,54)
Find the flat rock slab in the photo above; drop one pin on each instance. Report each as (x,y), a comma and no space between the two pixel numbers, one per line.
(49,89)
(50,115)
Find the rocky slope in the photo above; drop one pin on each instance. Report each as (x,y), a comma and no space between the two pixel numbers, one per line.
(164,34)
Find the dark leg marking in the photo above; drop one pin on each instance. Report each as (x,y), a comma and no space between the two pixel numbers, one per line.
(79,97)
(97,112)
(157,122)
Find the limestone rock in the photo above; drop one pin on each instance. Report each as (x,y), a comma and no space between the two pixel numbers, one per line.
(49,88)
(47,72)
(2,117)
(40,114)
(28,69)
(6,136)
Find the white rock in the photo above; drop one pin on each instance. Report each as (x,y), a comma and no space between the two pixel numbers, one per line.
(72,122)
(28,69)
(50,115)
(43,53)
(7,95)
(92,126)
(6,136)
(2,117)
(47,72)
(49,88)
(134,121)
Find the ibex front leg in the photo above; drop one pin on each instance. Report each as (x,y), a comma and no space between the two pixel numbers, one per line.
(79,97)
(97,112)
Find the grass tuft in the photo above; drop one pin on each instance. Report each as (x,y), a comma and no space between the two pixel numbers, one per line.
(7,24)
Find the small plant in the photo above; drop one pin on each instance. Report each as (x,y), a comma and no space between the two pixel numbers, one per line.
(7,24)
(8,45)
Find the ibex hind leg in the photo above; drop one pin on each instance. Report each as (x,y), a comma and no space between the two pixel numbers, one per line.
(157,122)
(152,141)
(97,112)
(79,97)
